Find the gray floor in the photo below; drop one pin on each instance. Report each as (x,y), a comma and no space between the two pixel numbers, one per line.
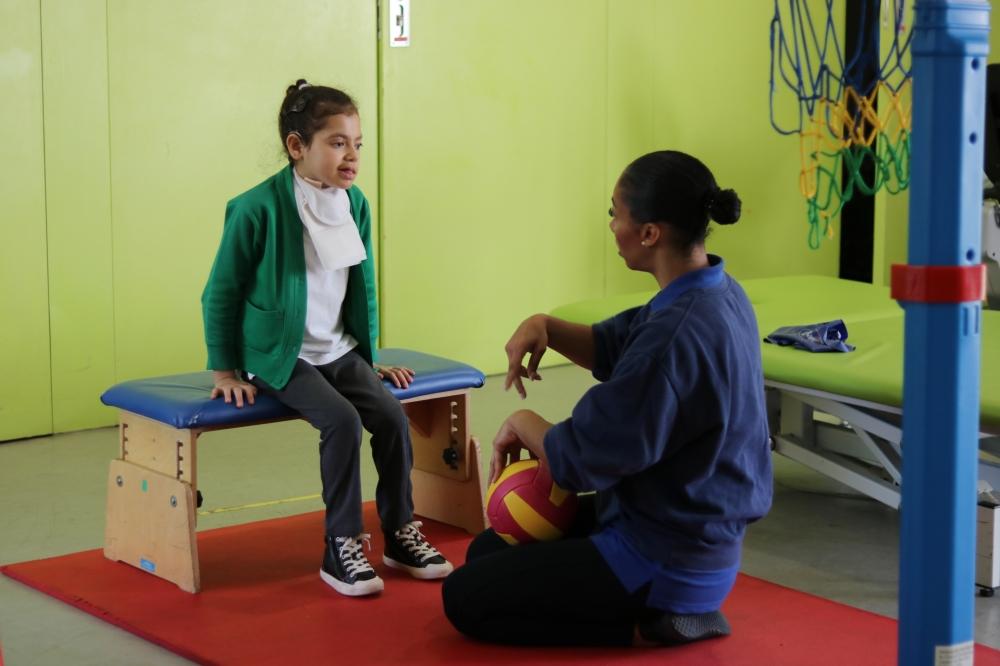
(818,538)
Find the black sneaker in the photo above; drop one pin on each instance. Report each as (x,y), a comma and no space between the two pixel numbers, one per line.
(409,550)
(346,569)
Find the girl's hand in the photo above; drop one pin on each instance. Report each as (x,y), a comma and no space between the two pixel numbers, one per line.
(531,337)
(400,377)
(232,388)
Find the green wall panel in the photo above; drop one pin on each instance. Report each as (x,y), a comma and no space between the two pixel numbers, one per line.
(503,130)
(494,186)
(994,36)
(710,66)
(78,203)
(632,116)
(194,94)
(494,119)
(25,394)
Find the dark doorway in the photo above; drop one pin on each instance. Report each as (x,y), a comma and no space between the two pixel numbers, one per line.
(857,218)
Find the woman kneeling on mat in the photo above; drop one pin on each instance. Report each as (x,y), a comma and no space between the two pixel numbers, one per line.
(674,440)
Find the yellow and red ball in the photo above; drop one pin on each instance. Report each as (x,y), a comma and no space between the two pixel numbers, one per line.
(525,505)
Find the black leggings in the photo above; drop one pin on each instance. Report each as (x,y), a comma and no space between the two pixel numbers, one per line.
(548,593)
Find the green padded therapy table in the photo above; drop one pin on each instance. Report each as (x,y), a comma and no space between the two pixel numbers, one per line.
(840,414)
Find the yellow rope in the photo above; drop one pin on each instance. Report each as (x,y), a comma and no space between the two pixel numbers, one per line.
(257,505)
(835,136)
(834,129)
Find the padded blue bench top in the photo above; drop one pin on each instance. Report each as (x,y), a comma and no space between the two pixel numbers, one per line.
(182,401)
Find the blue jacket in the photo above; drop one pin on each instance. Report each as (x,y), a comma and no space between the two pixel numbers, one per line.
(675,437)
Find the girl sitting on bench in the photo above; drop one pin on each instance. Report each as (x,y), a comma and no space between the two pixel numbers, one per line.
(290,310)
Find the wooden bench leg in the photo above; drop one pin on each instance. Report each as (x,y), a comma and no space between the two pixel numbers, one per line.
(447,479)
(150,519)
(150,524)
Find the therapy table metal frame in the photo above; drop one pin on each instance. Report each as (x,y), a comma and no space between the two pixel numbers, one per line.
(862,445)
(153,484)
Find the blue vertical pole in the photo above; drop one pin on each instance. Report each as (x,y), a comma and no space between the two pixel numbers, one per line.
(941,368)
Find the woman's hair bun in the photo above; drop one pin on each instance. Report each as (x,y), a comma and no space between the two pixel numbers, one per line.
(725,207)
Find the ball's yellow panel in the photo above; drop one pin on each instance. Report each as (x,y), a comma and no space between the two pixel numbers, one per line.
(530,520)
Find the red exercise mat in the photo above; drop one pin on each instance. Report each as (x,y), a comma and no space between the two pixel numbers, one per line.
(263,603)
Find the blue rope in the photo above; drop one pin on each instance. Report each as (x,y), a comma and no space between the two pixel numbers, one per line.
(794,50)
(811,64)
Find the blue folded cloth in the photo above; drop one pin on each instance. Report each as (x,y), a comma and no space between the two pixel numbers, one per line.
(823,337)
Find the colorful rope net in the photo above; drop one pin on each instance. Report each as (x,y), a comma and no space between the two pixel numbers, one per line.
(846,115)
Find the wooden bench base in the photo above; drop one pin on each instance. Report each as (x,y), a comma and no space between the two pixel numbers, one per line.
(152,486)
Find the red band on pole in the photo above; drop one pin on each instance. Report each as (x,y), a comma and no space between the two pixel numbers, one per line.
(938,284)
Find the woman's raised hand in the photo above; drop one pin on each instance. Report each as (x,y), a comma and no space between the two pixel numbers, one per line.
(531,337)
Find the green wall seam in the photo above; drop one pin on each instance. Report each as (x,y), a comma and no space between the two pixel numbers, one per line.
(379,104)
(45,215)
(111,194)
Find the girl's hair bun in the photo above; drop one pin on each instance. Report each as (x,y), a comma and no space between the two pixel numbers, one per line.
(295,87)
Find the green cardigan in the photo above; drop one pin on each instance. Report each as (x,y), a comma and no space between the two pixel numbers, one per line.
(254,304)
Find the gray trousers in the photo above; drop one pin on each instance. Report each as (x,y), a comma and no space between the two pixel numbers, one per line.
(338,399)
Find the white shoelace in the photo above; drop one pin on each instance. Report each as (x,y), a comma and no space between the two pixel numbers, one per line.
(413,540)
(352,554)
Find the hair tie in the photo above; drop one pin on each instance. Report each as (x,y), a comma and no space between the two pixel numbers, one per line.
(302,100)
(300,103)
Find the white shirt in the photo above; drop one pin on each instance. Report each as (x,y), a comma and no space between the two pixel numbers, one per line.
(326,216)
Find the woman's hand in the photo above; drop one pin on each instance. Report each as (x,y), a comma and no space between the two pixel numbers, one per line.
(400,377)
(531,337)
(523,429)
(232,388)
(507,446)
